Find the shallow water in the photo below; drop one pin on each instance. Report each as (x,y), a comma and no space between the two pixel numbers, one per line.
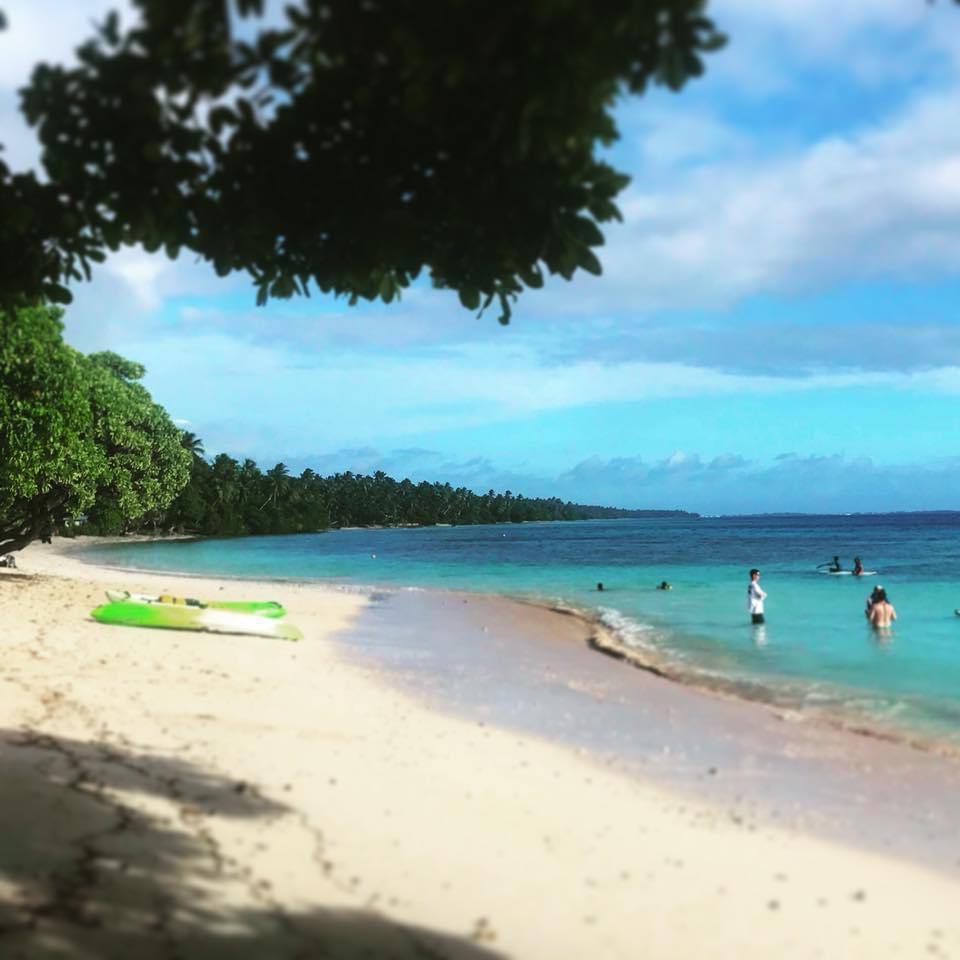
(815,652)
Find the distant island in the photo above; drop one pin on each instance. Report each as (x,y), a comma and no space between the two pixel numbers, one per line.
(620,513)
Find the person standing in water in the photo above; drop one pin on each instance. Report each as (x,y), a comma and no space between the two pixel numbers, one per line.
(755,597)
(881,612)
(872,599)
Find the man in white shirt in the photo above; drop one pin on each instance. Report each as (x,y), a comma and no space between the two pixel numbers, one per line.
(755,597)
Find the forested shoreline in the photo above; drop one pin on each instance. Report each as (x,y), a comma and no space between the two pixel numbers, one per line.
(84,448)
(228,497)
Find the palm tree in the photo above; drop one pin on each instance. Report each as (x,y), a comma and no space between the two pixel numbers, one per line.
(278,480)
(224,479)
(190,441)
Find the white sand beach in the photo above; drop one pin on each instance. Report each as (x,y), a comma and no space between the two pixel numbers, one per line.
(170,794)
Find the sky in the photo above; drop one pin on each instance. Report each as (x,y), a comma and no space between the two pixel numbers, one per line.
(776,327)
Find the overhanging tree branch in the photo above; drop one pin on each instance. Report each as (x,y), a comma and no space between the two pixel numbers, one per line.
(348,149)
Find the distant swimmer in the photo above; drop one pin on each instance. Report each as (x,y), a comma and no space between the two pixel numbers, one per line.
(755,597)
(600,586)
(857,567)
(663,585)
(881,613)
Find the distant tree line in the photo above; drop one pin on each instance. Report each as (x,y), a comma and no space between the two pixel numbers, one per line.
(227,497)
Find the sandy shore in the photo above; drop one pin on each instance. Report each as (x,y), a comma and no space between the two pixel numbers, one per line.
(191,795)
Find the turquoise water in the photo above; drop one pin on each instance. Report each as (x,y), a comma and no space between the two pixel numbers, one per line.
(815,652)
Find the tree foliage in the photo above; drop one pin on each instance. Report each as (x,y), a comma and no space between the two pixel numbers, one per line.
(349,147)
(75,430)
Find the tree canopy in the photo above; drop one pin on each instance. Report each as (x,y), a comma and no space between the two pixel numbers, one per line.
(76,430)
(347,147)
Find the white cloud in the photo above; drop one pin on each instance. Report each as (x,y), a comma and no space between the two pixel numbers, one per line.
(819,24)
(662,133)
(140,271)
(40,31)
(21,150)
(883,202)
(49,31)
(874,41)
(254,397)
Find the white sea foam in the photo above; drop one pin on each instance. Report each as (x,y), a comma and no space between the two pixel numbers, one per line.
(633,633)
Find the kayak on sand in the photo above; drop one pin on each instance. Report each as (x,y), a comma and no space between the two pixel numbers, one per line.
(170,616)
(262,608)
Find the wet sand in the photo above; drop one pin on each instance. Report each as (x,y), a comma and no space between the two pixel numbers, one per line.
(408,782)
(758,762)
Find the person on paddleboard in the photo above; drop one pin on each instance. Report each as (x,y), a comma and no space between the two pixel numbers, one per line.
(832,567)
(857,567)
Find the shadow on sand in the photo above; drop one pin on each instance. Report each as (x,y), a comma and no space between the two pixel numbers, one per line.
(107,852)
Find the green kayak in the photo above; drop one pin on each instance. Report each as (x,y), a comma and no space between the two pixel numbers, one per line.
(133,613)
(262,608)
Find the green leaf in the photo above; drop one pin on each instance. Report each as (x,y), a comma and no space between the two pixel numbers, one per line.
(505,311)
(387,288)
(57,294)
(470,298)
(672,70)
(587,259)
(221,117)
(532,276)
(111,28)
(586,231)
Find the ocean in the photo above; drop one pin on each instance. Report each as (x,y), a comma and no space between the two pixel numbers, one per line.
(816,652)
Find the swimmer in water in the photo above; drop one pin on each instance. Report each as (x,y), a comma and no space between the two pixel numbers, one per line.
(881,613)
(872,599)
(663,585)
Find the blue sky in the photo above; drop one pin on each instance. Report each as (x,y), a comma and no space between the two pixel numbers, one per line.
(776,327)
